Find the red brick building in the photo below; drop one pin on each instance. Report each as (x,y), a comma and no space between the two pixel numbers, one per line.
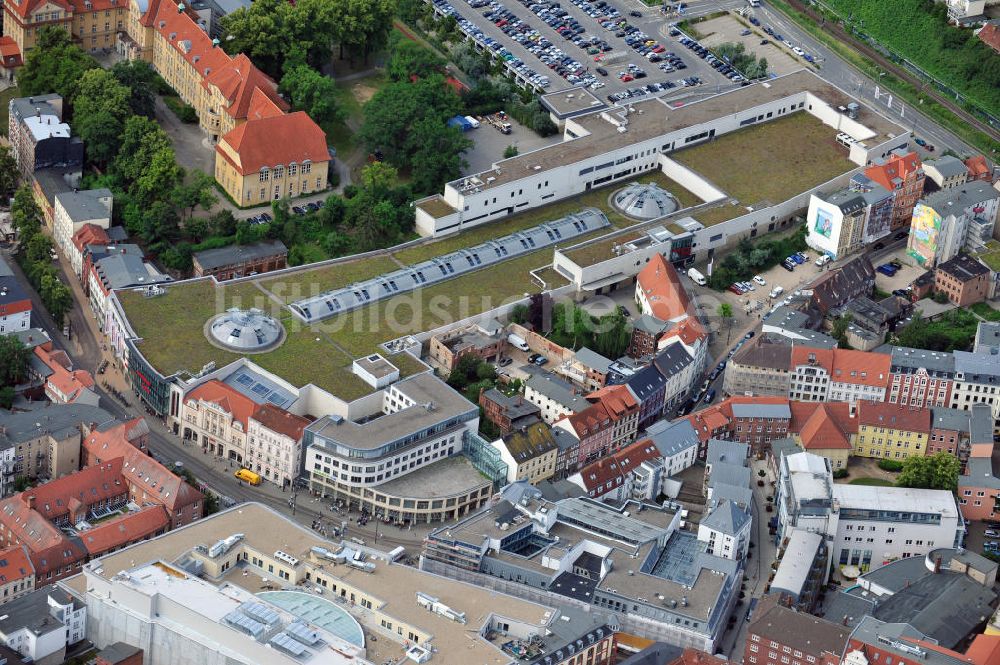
(508,413)
(68,521)
(778,635)
(963,279)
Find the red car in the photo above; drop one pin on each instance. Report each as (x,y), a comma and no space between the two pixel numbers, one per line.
(627,77)
(658,49)
(735,289)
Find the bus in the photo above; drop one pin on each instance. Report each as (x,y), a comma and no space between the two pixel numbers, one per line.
(249,476)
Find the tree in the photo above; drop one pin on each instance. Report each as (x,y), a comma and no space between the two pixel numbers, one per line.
(394,111)
(55,64)
(263,32)
(519,314)
(141,139)
(436,153)
(939,472)
(25,214)
(142,81)
(725,312)
(510,151)
(8,173)
(363,25)
(162,175)
(410,59)
(56,296)
(312,92)
(7,395)
(197,190)
(840,326)
(99,114)
(14,356)
(378,178)
(613,335)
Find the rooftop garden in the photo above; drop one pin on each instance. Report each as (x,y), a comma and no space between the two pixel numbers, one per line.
(772,161)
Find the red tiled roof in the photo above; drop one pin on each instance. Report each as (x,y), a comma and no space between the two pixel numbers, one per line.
(238,405)
(689,331)
(990,35)
(15,564)
(696,657)
(275,140)
(822,432)
(90,234)
(847,365)
(262,106)
(616,465)
(25,8)
(125,529)
(662,287)
(280,421)
(9,52)
(984,650)
(148,19)
(70,383)
(894,416)
(895,170)
(618,400)
(977,167)
(184,35)
(48,547)
(90,485)
(239,81)
(593,419)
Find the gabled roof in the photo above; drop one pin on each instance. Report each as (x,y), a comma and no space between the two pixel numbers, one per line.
(534,441)
(238,405)
(618,400)
(128,528)
(590,421)
(977,166)
(990,35)
(667,298)
(91,485)
(9,52)
(15,564)
(822,432)
(278,420)
(89,234)
(846,365)
(893,171)
(186,37)
(25,8)
(281,139)
(672,438)
(617,465)
(894,416)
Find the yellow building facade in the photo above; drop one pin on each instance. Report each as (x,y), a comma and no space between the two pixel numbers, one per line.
(92,23)
(889,443)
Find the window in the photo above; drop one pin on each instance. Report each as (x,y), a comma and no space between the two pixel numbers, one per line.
(264,174)
(292,168)
(279,172)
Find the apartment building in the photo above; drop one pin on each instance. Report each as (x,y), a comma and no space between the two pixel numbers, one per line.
(509,414)
(920,378)
(274,444)
(875,641)
(843,222)
(46,442)
(42,624)
(88,235)
(17,573)
(15,304)
(964,280)
(977,381)
(486,341)
(838,375)
(891,431)
(73,210)
(946,171)
(839,286)
(216,417)
(759,367)
(677,442)
(824,429)
(902,174)
(802,569)
(554,397)
(779,635)
(240,260)
(39,139)
(616,477)
(610,422)
(530,453)
(952,220)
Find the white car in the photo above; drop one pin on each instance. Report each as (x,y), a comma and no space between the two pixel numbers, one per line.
(798,51)
(776,291)
(759,280)
(788,44)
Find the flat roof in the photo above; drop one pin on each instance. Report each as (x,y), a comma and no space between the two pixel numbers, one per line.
(901,499)
(444,478)
(654,118)
(797,561)
(571,102)
(220,257)
(435,402)
(86,205)
(395,586)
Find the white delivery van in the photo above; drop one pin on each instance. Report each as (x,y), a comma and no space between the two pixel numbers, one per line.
(697,277)
(823,260)
(517,342)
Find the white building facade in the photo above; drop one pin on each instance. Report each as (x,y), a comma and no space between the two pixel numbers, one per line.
(72,210)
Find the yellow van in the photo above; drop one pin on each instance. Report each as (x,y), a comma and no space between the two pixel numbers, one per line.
(248,476)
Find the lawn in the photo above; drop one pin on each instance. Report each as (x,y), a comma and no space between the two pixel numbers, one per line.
(992,257)
(5,97)
(872,482)
(597,198)
(439,304)
(172,328)
(597,251)
(985,311)
(770,162)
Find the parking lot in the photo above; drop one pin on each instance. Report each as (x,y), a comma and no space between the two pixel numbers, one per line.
(609,44)
(489,144)
(724,29)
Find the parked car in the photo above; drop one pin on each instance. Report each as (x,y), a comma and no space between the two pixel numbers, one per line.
(709,396)
(901,235)
(991,533)
(505,361)
(541,360)
(788,265)
(879,246)
(533,357)
(902,293)
(759,280)
(776,291)
(887,269)
(749,335)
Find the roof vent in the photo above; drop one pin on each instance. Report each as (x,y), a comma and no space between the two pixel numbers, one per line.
(180,8)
